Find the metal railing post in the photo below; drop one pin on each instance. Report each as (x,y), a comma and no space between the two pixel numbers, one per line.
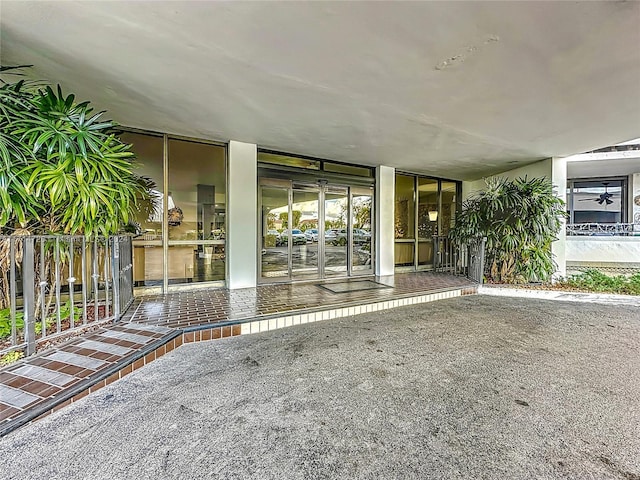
(435,253)
(29,295)
(483,242)
(115,277)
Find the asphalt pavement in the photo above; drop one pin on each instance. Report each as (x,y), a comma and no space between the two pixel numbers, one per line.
(473,387)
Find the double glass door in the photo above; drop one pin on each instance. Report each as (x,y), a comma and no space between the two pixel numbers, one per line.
(314,231)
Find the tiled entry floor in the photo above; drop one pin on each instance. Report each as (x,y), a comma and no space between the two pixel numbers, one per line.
(155,325)
(194,308)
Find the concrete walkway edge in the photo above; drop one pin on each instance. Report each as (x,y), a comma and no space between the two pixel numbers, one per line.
(565,296)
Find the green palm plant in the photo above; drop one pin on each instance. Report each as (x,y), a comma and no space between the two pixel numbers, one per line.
(62,168)
(520,219)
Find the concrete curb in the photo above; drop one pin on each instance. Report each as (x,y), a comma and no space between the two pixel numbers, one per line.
(604,298)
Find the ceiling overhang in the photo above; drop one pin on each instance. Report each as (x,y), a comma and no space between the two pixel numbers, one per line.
(454,89)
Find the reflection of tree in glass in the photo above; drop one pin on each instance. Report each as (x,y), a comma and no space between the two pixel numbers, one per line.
(284,218)
(426,228)
(362,212)
(271,221)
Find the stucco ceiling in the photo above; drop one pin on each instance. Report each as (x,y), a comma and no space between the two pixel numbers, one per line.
(456,89)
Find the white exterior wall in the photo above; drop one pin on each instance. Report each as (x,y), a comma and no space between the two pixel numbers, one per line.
(603,250)
(542,168)
(385,204)
(242,215)
(470,188)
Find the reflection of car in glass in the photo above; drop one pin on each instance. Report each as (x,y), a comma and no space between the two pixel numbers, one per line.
(338,236)
(311,234)
(361,236)
(297,236)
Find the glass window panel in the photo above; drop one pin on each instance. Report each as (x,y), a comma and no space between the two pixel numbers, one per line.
(336,235)
(288,161)
(449,206)
(404,254)
(196,207)
(147,244)
(598,201)
(428,213)
(362,208)
(196,262)
(304,251)
(275,210)
(348,169)
(405,207)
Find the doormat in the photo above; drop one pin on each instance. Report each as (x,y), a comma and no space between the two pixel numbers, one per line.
(346,287)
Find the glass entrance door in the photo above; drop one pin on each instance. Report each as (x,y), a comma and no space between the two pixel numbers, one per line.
(362,222)
(274,252)
(337,231)
(305,213)
(310,232)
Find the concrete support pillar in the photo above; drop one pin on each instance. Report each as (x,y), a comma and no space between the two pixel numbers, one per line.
(242,215)
(558,248)
(385,194)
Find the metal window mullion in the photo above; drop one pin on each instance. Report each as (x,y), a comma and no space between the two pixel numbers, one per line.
(165,211)
(349,231)
(262,228)
(372,229)
(570,202)
(321,228)
(416,205)
(439,222)
(318,257)
(289,234)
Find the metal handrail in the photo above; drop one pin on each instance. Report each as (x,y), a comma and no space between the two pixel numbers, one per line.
(454,258)
(53,285)
(603,229)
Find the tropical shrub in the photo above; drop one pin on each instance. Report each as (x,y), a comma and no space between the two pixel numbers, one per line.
(62,167)
(63,170)
(520,219)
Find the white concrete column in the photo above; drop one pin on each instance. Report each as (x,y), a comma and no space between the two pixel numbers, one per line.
(242,215)
(558,248)
(385,204)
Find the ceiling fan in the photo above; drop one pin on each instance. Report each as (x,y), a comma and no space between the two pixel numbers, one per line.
(603,197)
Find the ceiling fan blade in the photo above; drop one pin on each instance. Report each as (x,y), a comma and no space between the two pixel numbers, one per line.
(609,202)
